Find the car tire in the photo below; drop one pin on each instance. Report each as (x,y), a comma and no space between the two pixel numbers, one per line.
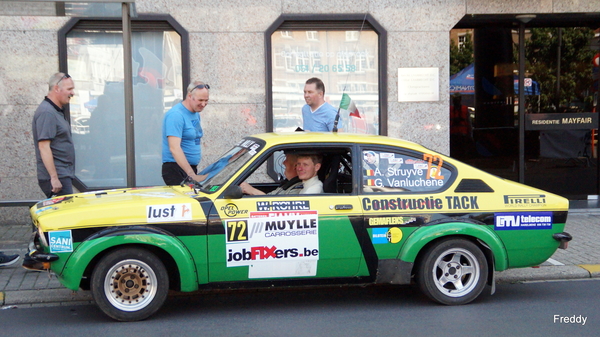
(453,272)
(141,286)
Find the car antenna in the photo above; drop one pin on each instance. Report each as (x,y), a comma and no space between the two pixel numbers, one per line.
(349,101)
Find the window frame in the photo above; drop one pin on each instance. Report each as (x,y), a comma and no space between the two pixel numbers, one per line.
(141,23)
(334,22)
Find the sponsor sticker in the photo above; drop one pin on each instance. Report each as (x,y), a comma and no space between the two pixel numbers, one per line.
(54,201)
(60,241)
(43,209)
(522,220)
(524,200)
(168,212)
(295,205)
(379,235)
(386,235)
(399,220)
(232,210)
(274,244)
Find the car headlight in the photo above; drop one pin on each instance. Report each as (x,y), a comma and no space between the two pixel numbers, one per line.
(42,237)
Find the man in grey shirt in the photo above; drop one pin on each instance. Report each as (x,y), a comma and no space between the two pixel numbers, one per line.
(54,150)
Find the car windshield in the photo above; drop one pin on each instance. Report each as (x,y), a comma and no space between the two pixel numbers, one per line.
(225,167)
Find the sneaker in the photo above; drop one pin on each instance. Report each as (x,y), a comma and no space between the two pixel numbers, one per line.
(7,260)
(31,264)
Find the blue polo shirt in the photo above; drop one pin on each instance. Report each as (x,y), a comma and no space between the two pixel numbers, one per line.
(321,120)
(185,124)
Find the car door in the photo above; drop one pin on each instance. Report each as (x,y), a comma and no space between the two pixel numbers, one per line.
(400,191)
(288,236)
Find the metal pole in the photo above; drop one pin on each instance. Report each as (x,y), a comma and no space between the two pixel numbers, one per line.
(521,102)
(558,59)
(128,92)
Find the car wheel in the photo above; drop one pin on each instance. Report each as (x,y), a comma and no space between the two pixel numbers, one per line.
(130,284)
(453,272)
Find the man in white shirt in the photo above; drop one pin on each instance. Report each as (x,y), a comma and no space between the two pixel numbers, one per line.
(307,167)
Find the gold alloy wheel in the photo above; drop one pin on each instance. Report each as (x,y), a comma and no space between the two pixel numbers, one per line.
(130,285)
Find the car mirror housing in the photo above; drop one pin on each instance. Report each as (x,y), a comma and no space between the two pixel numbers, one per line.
(233,192)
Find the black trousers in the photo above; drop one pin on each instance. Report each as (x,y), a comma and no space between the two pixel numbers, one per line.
(46,186)
(172,174)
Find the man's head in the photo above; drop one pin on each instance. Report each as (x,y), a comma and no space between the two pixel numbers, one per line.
(370,157)
(197,96)
(314,92)
(307,166)
(290,166)
(60,89)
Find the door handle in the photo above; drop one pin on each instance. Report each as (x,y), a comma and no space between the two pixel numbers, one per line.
(343,207)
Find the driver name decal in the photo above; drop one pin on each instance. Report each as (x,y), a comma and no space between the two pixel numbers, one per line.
(274,244)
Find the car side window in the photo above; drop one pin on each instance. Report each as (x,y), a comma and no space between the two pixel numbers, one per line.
(392,171)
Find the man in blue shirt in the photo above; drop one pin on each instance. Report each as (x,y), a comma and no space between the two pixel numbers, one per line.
(318,115)
(181,134)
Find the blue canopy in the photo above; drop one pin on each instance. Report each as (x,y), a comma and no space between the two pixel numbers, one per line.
(463,83)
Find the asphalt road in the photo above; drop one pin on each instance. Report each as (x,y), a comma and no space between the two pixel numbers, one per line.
(530,309)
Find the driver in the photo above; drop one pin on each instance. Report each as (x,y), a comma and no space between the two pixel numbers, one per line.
(291,184)
(307,167)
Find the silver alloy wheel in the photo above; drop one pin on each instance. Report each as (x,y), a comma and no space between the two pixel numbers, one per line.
(130,285)
(456,272)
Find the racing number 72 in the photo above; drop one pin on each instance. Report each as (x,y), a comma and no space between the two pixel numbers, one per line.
(437,173)
(237,230)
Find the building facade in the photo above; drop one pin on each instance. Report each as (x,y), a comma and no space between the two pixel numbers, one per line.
(256,56)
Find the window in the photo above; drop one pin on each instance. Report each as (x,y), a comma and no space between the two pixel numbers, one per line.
(337,49)
(461,40)
(93,56)
(312,35)
(335,171)
(352,35)
(391,171)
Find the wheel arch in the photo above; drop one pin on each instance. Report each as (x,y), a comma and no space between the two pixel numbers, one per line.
(423,238)
(176,258)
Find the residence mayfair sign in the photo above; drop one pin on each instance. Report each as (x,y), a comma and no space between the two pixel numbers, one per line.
(561,121)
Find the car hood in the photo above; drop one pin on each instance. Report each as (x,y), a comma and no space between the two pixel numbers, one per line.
(118,207)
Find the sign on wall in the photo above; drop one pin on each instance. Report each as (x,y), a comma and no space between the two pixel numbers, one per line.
(418,84)
(561,121)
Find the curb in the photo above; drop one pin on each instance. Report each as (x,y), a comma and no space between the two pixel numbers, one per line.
(548,273)
(44,297)
(62,296)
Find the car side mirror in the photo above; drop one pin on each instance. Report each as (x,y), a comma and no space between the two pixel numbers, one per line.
(233,192)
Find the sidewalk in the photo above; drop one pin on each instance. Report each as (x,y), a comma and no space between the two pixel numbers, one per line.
(22,288)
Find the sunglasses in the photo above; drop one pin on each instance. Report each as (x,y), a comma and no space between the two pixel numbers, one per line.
(62,78)
(201,86)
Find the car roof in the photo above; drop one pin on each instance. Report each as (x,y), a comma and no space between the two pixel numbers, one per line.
(280,138)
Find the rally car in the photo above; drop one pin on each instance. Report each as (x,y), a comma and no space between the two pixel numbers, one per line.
(391,212)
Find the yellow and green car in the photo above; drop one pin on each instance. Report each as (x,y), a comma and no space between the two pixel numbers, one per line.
(391,212)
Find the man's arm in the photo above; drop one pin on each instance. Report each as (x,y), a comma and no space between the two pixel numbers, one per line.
(248,189)
(180,159)
(48,160)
